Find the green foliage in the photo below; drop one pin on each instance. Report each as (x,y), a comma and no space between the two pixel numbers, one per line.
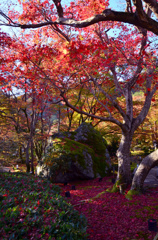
(147,149)
(145,145)
(32,208)
(114,144)
(133,166)
(138,93)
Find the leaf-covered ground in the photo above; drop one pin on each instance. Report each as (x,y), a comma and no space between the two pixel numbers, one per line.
(111,215)
(32,208)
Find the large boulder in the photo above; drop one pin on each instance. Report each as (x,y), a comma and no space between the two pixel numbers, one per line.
(81,154)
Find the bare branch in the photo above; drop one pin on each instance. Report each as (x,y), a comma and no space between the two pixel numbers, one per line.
(117,84)
(109,119)
(129,6)
(139,9)
(59,32)
(6,17)
(54,27)
(153,5)
(97,99)
(58,7)
(113,102)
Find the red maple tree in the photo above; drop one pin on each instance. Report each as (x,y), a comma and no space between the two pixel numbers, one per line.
(108,68)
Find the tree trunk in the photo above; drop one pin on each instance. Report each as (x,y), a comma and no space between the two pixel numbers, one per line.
(27,158)
(140,175)
(21,154)
(34,118)
(32,157)
(123,154)
(59,119)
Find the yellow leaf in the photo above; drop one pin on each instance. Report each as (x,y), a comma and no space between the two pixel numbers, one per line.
(64,51)
(81,37)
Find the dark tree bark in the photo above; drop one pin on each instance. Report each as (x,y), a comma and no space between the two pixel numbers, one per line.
(27,157)
(21,154)
(32,156)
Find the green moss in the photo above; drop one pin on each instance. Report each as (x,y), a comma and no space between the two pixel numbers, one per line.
(115,188)
(74,150)
(119,186)
(65,150)
(99,165)
(131,193)
(98,195)
(95,140)
(108,190)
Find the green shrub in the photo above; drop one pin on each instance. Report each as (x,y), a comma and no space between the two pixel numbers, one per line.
(32,208)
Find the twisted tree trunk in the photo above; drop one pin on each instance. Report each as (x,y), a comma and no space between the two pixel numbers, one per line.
(147,163)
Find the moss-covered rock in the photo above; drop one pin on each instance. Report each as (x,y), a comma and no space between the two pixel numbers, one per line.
(78,155)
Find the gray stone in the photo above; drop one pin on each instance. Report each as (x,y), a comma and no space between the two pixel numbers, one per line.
(152,176)
(81,154)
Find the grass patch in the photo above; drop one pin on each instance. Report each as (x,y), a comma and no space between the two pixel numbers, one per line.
(32,208)
(99,195)
(137,153)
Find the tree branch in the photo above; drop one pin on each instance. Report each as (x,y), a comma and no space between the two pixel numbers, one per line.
(139,9)
(113,102)
(58,7)
(128,6)
(153,5)
(107,15)
(149,94)
(110,119)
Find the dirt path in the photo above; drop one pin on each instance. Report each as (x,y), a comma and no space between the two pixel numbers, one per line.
(7,169)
